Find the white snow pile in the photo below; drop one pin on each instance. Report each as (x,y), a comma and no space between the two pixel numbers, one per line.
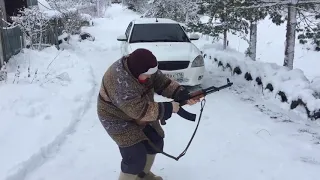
(64,36)
(315,85)
(290,85)
(32,88)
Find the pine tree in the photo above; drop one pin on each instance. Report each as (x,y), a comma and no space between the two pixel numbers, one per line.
(224,18)
(137,5)
(250,11)
(294,12)
(178,10)
(310,33)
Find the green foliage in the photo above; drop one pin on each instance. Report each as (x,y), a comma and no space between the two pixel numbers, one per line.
(310,33)
(178,10)
(231,15)
(137,5)
(308,29)
(169,9)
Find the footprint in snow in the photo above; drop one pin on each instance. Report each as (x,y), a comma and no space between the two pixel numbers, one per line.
(247,99)
(279,117)
(315,136)
(307,131)
(310,160)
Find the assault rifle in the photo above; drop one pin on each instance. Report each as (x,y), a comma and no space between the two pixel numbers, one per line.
(196,95)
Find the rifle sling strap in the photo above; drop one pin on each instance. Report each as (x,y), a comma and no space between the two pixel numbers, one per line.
(203,102)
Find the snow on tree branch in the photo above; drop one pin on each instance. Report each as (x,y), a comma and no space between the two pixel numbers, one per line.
(33,23)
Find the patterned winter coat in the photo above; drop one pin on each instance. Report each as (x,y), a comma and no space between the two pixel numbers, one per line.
(124,104)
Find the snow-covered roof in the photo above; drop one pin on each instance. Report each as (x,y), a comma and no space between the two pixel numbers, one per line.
(154,20)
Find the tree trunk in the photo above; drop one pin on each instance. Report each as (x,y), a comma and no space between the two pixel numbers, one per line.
(225,31)
(98,8)
(1,47)
(187,18)
(290,36)
(40,40)
(225,38)
(253,40)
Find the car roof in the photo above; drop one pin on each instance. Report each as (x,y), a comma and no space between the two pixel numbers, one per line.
(154,21)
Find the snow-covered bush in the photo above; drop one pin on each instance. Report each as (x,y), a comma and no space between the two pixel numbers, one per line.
(140,6)
(43,27)
(34,23)
(91,7)
(290,86)
(315,85)
(70,14)
(72,22)
(179,10)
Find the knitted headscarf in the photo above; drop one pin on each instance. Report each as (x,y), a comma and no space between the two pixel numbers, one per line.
(142,61)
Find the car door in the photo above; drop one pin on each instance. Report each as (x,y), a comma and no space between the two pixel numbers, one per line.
(125,44)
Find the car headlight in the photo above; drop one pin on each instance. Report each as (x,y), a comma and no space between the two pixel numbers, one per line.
(198,61)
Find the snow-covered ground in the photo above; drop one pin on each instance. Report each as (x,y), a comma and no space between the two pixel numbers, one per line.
(39,110)
(49,128)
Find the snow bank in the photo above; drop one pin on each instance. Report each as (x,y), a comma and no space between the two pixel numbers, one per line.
(315,85)
(43,97)
(290,85)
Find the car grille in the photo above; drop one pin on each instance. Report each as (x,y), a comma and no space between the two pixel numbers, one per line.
(172,65)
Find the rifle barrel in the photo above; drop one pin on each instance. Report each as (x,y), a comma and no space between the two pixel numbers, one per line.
(212,89)
(203,92)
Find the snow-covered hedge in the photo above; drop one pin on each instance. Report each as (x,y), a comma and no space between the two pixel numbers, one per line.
(290,86)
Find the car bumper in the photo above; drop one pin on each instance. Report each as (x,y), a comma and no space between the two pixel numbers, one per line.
(191,76)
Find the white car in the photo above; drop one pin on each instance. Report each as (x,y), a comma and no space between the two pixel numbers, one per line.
(177,56)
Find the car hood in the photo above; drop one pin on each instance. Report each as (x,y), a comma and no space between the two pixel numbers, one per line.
(169,51)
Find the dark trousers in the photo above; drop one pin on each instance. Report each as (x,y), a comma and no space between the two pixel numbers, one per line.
(134,157)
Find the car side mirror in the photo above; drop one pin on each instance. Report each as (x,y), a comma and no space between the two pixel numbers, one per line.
(194,37)
(122,38)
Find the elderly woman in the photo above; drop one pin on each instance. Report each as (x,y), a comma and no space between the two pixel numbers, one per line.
(128,112)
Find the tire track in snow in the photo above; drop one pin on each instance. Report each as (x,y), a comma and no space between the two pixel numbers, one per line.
(49,151)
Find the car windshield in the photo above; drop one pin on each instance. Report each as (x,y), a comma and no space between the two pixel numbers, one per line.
(158,33)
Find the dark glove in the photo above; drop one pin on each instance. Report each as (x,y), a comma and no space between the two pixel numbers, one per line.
(182,95)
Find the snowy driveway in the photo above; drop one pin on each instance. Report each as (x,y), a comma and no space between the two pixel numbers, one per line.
(237,138)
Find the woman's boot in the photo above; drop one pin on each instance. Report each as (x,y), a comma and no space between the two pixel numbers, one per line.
(147,174)
(125,176)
